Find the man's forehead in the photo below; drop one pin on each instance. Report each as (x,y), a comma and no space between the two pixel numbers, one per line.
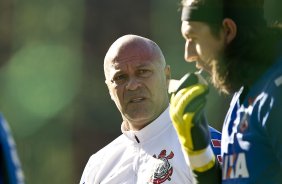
(189,2)
(130,62)
(192,27)
(131,52)
(134,56)
(134,52)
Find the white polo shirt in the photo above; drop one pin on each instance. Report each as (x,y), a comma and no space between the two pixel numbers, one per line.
(152,155)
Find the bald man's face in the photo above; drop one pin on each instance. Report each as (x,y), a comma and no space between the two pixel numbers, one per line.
(137,82)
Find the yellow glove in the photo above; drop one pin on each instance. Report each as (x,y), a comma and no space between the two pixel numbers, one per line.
(186,111)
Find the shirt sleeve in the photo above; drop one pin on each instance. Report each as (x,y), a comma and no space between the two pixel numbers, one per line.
(90,170)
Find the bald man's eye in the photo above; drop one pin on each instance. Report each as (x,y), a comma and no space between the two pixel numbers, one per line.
(119,79)
(144,73)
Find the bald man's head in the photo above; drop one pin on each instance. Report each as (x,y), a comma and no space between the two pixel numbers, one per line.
(132,47)
(137,78)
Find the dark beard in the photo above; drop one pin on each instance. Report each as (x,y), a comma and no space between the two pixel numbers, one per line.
(219,74)
(241,65)
(231,72)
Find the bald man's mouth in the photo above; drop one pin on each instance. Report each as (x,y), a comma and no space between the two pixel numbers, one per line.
(137,100)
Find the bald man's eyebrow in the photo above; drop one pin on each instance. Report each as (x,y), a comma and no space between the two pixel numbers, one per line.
(116,73)
(144,65)
(124,59)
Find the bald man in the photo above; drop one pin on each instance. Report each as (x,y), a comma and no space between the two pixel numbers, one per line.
(148,151)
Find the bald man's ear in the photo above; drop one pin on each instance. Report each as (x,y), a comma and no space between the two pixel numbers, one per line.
(230,29)
(167,74)
(110,92)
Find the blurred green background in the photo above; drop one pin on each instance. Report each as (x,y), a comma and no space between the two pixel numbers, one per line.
(52,89)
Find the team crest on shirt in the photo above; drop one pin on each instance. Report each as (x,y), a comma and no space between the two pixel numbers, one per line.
(164,170)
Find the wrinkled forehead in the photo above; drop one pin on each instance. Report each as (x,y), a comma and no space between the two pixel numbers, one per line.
(131,62)
(131,54)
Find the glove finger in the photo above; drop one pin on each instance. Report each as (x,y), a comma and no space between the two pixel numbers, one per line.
(177,96)
(196,103)
(197,112)
(187,95)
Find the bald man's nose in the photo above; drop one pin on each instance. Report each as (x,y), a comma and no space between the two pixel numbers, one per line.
(133,83)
